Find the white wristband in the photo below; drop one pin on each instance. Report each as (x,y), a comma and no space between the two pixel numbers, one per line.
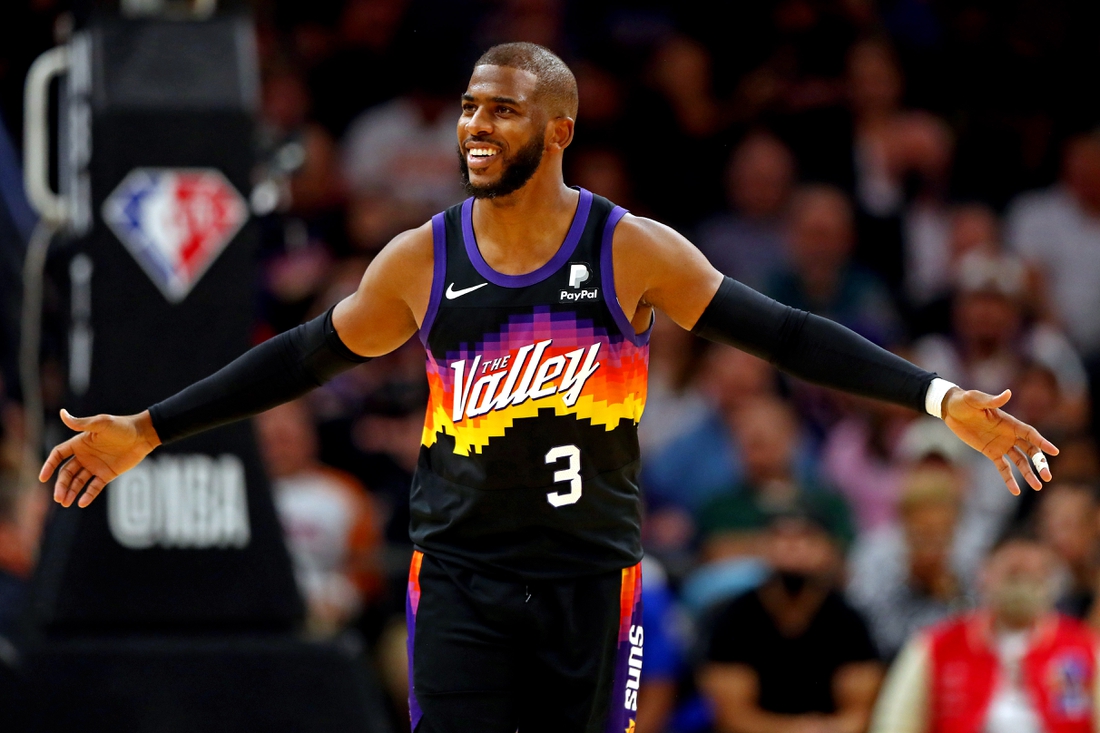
(933,398)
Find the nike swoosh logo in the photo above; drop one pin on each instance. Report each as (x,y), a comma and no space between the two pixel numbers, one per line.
(452,293)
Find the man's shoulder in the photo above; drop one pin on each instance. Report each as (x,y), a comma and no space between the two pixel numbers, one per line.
(416,242)
(742,608)
(1039,201)
(1039,209)
(641,234)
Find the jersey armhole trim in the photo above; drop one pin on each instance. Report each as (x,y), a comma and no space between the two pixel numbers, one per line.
(439,274)
(607,274)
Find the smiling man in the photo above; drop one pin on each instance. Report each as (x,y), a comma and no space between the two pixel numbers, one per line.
(534,302)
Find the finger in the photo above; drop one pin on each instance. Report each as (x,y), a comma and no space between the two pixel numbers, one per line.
(78,482)
(1006,474)
(1036,439)
(1038,460)
(1021,460)
(985,401)
(56,458)
(80,423)
(64,479)
(94,487)
(75,484)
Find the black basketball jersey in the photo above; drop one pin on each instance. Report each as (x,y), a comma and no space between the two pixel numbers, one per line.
(529,457)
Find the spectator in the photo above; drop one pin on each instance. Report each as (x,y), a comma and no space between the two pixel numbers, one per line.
(1013,666)
(890,144)
(705,461)
(1058,230)
(732,524)
(404,150)
(792,656)
(903,592)
(880,558)
(900,160)
(329,521)
(823,279)
(674,403)
(936,245)
(747,241)
(991,343)
(858,458)
(1068,521)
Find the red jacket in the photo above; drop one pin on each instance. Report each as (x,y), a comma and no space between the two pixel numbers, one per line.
(1058,674)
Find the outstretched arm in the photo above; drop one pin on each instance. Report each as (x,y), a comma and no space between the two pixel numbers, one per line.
(656,267)
(376,319)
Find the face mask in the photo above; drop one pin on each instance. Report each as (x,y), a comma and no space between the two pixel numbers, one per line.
(793,582)
(1021,601)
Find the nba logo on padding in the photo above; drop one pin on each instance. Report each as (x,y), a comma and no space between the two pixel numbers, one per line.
(175,222)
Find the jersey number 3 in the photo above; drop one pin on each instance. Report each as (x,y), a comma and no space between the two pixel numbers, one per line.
(571,474)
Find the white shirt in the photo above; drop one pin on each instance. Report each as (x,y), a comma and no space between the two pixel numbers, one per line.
(393,148)
(1011,711)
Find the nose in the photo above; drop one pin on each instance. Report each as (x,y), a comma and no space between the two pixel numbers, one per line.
(479,123)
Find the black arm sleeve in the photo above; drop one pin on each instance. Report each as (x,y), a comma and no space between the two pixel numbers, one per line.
(276,371)
(810,347)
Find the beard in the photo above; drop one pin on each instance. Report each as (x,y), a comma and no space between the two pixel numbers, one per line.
(517,171)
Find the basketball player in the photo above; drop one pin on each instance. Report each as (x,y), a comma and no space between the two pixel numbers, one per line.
(534,302)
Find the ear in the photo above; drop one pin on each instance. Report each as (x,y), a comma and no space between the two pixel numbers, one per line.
(559,133)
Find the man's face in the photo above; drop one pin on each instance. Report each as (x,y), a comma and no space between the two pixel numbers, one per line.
(986,318)
(1068,522)
(929,532)
(821,233)
(501,132)
(800,547)
(1019,582)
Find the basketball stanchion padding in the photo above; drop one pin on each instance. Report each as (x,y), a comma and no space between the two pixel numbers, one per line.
(159,118)
(170,603)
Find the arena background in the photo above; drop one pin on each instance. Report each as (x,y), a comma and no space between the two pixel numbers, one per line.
(925,172)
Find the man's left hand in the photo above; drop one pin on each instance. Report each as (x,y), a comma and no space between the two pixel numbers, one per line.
(979,421)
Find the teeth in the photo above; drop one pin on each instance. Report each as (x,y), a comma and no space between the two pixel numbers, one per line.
(481,152)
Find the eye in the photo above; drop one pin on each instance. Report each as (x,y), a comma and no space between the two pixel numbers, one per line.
(468,107)
(502,110)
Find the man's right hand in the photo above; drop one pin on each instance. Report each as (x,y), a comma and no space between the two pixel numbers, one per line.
(105,447)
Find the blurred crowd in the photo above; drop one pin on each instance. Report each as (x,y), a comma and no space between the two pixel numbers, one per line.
(926,173)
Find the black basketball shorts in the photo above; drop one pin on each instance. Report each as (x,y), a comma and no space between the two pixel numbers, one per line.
(493,656)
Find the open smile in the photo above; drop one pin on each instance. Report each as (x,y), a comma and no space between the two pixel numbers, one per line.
(480,156)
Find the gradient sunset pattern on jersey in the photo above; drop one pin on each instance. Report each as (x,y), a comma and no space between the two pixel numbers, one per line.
(537,361)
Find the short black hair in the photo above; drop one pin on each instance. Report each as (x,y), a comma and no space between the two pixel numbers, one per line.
(556,85)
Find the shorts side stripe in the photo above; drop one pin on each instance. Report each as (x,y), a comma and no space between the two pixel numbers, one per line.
(628,667)
(412,603)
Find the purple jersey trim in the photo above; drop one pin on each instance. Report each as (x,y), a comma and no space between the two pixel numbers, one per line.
(576,229)
(439,274)
(607,274)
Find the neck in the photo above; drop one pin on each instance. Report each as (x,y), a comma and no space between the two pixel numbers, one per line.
(792,615)
(544,195)
(1003,624)
(519,232)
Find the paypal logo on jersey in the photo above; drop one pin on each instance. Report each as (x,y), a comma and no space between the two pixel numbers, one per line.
(175,222)
(579,273)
